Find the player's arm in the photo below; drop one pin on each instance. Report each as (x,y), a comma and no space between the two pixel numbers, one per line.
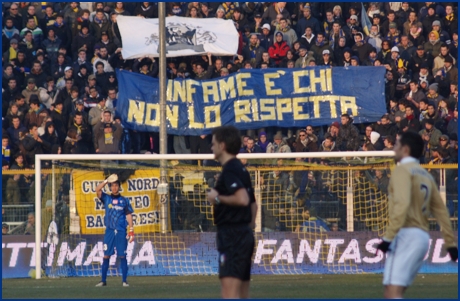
(239,198)
(439,211)
(100,187)
(399,203)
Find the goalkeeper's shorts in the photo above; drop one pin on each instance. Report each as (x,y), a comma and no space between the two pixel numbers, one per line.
(405,258)
(235,244)
(115,239)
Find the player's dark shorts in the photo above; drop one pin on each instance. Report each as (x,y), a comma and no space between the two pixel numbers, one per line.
(235,244)
(115,239)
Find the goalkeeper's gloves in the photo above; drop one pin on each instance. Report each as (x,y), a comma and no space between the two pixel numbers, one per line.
(130,235)
(453,252)
(384,246)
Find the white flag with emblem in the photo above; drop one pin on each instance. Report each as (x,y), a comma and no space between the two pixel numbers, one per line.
(184,36)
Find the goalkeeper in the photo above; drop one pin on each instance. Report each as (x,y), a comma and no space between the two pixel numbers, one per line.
(118,215)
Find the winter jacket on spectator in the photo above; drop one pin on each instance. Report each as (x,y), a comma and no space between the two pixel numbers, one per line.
(11,33)
(105,61)
(266,41)
(318,49)
(304,61)
(49,140)
(272,11)
(289,35)
(417,61)
(283,147)
(63,32)
(60,124)
(324,148)
(94,115)
(310,22)
(108,143)
(362,49)
(8,96)
(28,48)
(278,51)
(117,62)
(452,126)
(348,138)
(434,135)
(83,39)
(438,62)
(253,53)
(28,92)
(307,42)
(51,47)
(36,117)
(408,23)
(310,144)
(37,34)
(111,47)
(427,22)
(148,11)
(433,47)
(97,27)
(450,23)
(385,130)
(17,20)
(83,130)
(416,39)
(39,77)
(72,116)
(70,17)
(423,76)
(13,133)
(254,150)
(32,148)
(375,40)
(411,123)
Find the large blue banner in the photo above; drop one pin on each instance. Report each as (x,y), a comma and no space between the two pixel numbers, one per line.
(196,254)
(251,99)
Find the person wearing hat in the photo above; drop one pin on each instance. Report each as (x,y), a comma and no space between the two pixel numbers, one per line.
(393,34)
(423,74)
(427,21)
(443,35)
(448,74)
(96,113)
(444,142)
(433,45)
(279,49)
(68,74)
(352,22)
(354,61)
(308,21)
(327,61)
(419,58)
(433,94)
(12,51)
(266,39)
(31,89)
(278,145)
(256,26)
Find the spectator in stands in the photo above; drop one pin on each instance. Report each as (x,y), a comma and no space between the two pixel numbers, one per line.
(107,136)
(32,144)
(263,141)
(347,139)
(278,145)
(409,123)
(279,49)
(30,227)
(307,141)
(389,143)
(37,112)
(328,144)
(252,147)
(32,27)
(289,34)
(382,181)
(452,126)
(14,132)
(431,136)
(311,223)
(5,229)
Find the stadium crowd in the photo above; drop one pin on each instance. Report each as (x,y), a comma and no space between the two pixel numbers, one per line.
(59,86)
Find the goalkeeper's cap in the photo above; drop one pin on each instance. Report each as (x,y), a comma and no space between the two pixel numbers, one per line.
(4,225)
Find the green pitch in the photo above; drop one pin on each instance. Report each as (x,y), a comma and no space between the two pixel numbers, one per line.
(262,286)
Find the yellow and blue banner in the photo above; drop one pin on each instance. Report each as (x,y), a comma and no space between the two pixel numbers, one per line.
(252,99)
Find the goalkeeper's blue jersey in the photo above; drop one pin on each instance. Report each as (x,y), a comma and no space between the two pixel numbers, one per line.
(116,209)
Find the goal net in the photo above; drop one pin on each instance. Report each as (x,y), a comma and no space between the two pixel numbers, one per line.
(318,212)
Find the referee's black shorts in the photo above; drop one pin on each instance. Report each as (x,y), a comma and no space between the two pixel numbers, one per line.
(235,244)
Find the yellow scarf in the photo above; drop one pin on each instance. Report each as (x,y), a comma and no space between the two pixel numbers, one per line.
(57,111)
(450,17)
(13,54)
(78,128)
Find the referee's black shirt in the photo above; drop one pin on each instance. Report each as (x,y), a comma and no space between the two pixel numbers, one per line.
(234,176)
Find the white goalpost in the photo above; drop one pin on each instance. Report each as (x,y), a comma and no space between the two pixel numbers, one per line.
(163,190)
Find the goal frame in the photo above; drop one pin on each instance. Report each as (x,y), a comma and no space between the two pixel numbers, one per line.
(155,157)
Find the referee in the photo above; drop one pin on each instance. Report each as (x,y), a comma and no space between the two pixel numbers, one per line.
(234,214)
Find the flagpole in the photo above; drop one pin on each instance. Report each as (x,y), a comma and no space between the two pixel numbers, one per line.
(164,204)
